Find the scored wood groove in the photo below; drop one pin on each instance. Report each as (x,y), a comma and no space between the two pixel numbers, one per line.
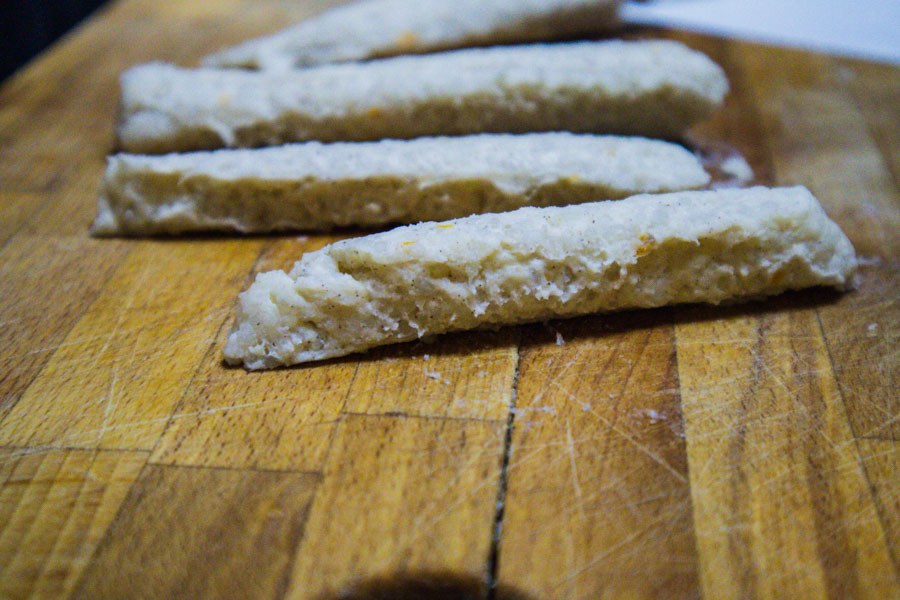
(129,405)
(427,488)
(825,122)
(282,420)
(493,558)
(209,353)
(466,376)
(400,415)
(597,474)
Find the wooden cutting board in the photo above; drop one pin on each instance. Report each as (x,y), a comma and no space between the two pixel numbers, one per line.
(696,451)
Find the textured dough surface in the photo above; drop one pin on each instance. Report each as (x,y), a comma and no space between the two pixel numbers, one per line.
(377,28)
(317,186)
(650,88)
(539,263)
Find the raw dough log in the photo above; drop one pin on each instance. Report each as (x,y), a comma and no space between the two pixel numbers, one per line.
(539,263)
(317,186)
(650,88)
(378,28)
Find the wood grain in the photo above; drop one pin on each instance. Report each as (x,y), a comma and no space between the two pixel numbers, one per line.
(875,90)
(719,452)
(34,322)
(280,420)
(881,459)
(781,504)
(55,506)
(15,209)
(413,494)
(465,376)
(598,503)
(216,533)
(819,137)
(116,389)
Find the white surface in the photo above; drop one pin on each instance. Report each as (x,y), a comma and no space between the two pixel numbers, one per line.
(861,28)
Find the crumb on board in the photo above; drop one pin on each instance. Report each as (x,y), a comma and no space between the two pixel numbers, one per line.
(737,167)
(869,261)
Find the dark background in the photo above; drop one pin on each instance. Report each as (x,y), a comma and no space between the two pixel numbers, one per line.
(29,26)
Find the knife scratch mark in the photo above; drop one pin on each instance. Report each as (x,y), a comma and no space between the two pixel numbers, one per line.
(83,436)
(641,447)
(890,422)
(120,319)
(611,549)
(579,496)
(420,525)
(110,406)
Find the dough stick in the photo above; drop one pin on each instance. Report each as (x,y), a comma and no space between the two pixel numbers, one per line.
(317,186)
(539,263)
(650,88)
(378,28)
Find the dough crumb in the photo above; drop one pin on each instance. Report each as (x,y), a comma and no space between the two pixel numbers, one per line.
(738,168)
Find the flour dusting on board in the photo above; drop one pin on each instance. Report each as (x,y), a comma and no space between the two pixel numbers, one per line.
(653,416)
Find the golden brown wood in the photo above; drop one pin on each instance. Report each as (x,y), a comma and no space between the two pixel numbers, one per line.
(202,533)
(876,92)
(15,209)
(466,376)
(390,464)
(781,504)
(275,420)
(881,459)
(34,322)
(413,494)
(130,357)
(828,145)
(55,506)
(598,504)
(863,334)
